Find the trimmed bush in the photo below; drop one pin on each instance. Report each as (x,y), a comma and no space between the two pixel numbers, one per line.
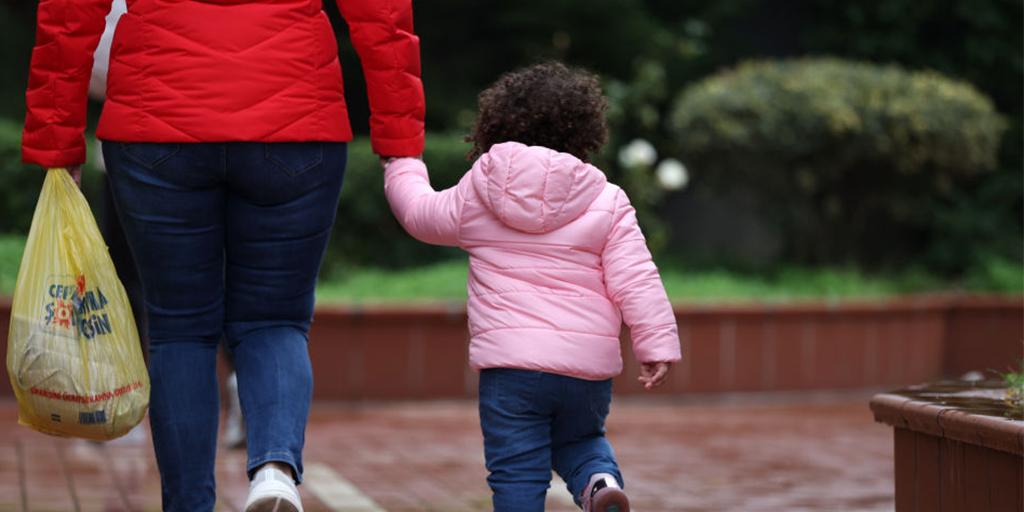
(849,159)
(19,183)
(365,232)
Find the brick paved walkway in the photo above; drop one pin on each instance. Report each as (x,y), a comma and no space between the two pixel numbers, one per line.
(725,453)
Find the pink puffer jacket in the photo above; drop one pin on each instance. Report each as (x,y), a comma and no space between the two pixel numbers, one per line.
(556,261)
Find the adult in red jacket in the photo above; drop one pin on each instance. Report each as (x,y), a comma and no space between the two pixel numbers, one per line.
(224,136)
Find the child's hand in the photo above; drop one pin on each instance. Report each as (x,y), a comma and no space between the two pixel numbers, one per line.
(653,374)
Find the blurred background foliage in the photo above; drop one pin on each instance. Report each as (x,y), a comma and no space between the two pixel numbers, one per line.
(848,160)
(752,135)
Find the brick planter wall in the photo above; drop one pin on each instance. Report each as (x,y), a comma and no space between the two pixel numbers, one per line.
(420,352)
(948,458)
(799,347)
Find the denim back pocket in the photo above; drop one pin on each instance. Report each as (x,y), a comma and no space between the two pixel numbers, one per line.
(150,155)
(295,158)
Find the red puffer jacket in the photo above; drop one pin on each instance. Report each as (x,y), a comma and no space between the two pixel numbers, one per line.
(221,70)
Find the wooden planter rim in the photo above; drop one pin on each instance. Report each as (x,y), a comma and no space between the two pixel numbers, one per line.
(950,423)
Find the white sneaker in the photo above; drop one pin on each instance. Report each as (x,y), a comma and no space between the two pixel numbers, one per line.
(271,490)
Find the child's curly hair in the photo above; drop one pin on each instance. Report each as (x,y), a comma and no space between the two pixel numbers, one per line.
(546,104)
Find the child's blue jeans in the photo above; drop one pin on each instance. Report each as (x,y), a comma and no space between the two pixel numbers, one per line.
(534,422)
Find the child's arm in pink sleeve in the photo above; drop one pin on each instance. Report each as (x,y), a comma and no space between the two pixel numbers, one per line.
(429,216)
(634,285)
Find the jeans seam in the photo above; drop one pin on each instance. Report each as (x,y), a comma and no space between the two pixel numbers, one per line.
(155,164)
(288,169)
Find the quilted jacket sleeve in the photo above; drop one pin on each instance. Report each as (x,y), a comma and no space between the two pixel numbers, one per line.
(67,32)
(389,51)
(429,216)
(635,287)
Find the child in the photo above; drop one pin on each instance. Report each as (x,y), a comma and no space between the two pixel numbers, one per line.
(556,263)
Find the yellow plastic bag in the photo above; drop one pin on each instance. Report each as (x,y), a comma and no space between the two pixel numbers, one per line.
(73,350)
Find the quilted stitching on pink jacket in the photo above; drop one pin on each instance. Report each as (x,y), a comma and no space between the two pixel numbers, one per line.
(557,261)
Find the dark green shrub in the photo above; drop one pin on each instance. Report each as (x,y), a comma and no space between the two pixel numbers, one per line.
(19,183)
(848,158)
(978,225)
(365,232)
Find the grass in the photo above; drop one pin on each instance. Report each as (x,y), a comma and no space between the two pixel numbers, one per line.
(790,284)
(446,282)
(1015,387)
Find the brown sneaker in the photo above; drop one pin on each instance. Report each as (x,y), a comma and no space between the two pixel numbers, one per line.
(604,495)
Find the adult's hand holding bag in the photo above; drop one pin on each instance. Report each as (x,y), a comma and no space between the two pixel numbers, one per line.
(73,351)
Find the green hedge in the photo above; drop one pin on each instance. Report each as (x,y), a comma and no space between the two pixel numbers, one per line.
(366,233)
(850,159)
(19,184)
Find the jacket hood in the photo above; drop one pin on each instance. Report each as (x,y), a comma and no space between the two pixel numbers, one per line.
(535,189)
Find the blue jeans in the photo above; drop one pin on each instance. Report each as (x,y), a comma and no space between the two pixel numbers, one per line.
(534,422)
(228,239)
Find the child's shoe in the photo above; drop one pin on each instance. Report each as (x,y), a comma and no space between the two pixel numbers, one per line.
(603,494)
(272,490)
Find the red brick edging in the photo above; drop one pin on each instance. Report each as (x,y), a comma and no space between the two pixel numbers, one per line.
(419,352)
(390,352)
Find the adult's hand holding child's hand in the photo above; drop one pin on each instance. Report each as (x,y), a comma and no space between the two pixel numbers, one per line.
(653,375)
